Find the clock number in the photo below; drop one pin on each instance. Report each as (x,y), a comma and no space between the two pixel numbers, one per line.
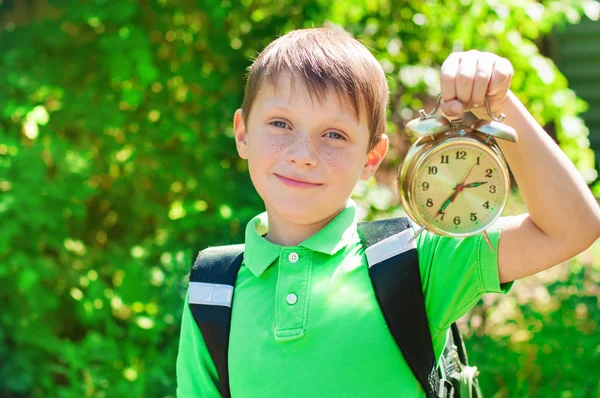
(478,157)
(429,202)
(425,186)
(473,216)
(442,214)
(492,189)
(445,159)
(461,155)
(432,170)
(457,220)
(488,173)
(486,205)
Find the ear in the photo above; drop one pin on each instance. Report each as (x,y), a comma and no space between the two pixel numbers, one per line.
(375,157)
(240,133)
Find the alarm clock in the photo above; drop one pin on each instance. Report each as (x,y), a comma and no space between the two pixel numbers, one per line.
(453,180)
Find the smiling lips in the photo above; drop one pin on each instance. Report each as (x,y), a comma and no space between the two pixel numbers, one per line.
(295,183)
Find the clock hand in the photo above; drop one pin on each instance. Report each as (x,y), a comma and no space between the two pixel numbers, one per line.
(474,184)
(446,203)
(460,186)
(468,172)
(449,200)
(457,190)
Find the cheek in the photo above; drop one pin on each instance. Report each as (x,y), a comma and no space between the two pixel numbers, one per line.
(274,147)
(338,161)
(267,148)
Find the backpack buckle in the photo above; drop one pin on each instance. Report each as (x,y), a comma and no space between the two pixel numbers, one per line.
(446,389)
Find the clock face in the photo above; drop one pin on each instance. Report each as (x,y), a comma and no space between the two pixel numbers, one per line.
(460,189)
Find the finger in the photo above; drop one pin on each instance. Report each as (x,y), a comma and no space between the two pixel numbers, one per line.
(483,74)
(448,73)
(452,108)
(501,77)
(465,77)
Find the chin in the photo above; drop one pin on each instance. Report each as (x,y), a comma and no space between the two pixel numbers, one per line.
(301,212)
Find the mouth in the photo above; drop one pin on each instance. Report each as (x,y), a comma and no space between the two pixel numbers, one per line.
(295,183)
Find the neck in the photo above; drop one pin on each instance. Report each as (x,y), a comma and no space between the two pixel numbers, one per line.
(290,233)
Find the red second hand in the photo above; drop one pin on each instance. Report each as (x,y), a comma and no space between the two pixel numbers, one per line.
(460,186)
(459,189)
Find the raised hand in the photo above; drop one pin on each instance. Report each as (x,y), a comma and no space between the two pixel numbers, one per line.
(467,78)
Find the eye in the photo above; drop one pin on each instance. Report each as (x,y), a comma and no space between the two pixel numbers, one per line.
(280,124)
(336,136)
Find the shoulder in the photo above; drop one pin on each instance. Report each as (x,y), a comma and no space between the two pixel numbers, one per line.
(214,252)
(214,258)
(374,232)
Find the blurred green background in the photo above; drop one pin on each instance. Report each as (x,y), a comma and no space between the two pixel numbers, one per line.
(117,164)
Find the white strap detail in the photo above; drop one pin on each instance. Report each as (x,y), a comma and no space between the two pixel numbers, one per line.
(210,294)
(390,247)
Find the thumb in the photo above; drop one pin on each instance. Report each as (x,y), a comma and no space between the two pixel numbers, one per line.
(452,108)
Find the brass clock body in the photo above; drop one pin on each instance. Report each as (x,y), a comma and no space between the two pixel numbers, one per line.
(453,180)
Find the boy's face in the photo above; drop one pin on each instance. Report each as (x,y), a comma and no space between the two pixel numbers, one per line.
(289,138)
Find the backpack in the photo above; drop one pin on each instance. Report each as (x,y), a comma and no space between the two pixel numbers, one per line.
(394,272)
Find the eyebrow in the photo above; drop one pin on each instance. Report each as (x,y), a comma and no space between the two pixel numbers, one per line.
(337,117)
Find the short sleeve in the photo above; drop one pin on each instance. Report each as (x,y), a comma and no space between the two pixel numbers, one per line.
(196,372)
(456,272)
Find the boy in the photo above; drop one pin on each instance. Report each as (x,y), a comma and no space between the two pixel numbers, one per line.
(305,321)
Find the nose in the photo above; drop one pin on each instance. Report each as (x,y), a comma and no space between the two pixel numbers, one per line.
(302,152)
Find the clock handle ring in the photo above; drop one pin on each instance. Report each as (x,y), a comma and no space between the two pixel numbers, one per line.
(434,110)
(500,118)
(489,111)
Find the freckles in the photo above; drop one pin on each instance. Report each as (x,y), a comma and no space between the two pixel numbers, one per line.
(335,161)
(273,146)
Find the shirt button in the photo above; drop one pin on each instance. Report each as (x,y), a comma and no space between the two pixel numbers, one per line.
(291,298)
(293,257)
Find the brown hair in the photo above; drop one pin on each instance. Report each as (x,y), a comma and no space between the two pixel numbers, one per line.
(327,60)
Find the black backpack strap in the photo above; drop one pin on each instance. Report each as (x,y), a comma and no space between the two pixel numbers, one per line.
(212,282)
(394,271)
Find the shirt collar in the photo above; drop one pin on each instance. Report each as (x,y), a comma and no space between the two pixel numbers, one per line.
(259,253)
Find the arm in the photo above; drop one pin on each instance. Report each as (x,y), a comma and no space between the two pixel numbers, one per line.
(196,372)
(563,217)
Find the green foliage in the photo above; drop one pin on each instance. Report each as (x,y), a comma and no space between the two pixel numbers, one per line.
(117,163)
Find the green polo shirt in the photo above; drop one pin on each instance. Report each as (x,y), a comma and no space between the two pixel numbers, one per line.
(305,321)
